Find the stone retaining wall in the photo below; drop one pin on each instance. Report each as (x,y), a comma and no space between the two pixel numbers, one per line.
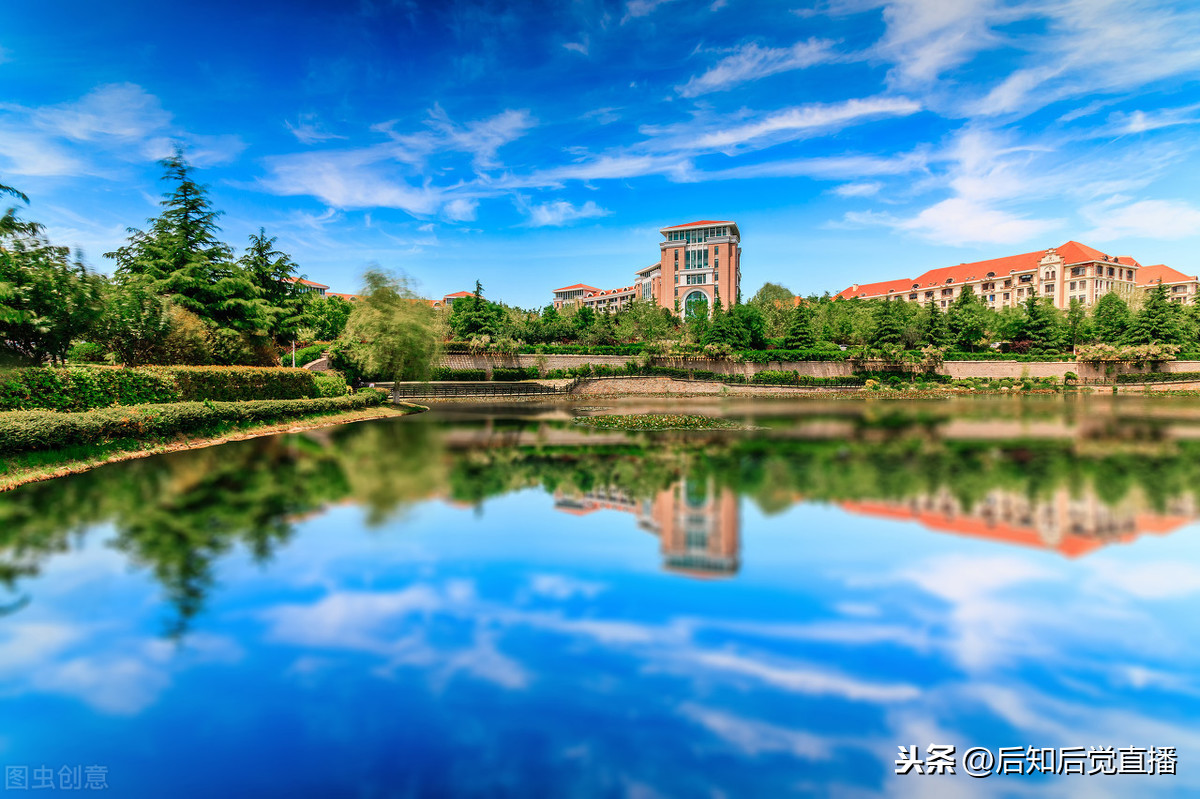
(1088,372)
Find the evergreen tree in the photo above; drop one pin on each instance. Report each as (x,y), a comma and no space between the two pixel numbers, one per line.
(1157,322)
(183,257)
(1110,318)
(935,330)
(800,334)
(751,322)
(887,329)
(475,316)
(281,305)
(1079,327)
(967,320)
(46,299)
(1040,326)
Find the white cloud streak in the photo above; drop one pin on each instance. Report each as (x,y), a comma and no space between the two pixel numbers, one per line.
(751,62)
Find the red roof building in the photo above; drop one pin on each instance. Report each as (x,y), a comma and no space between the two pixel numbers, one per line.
(1181,288)
(1072,271)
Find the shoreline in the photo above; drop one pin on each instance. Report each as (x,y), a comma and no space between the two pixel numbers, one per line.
(37,473)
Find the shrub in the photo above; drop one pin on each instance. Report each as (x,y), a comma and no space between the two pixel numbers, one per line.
(1157,377)
(23,431)
(330,384)
(84,388)
(304,355)
(510,374)
(775,377)
(86,352)
(446,373)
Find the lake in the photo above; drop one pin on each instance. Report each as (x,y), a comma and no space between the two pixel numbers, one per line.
(495,601)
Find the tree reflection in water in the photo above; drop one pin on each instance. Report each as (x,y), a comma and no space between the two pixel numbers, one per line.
(1058,478)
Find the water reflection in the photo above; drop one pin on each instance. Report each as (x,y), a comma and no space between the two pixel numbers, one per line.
(473,602)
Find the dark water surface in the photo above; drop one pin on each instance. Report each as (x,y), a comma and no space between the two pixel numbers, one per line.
(493,601)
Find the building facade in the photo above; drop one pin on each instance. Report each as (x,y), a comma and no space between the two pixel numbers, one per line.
(698,263)
(1181,288)
(1070,271)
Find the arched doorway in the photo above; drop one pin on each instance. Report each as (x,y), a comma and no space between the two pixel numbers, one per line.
(696,305)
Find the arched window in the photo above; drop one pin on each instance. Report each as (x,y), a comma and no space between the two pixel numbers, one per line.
(696,304)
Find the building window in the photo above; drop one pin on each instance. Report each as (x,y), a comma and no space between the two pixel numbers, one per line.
(1006,296)
(929,295)
(1079,270)
(697,279)
(1072,285)
(1026,278)
(696,305)
(677,256)
(912,296)
(1111,272)
(1008,284)
(1049,289)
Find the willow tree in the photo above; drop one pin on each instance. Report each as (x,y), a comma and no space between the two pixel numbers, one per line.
(392,334)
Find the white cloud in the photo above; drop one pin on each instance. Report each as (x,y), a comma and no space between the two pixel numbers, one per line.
(925,38)
(867,189)
(309,130)
(1143,121)
(561,212)
(116,110)
(481,138)
(751,62)
(1160,219)
(578,47)
(959,221)
(793,123)
(641,8)
(462,209)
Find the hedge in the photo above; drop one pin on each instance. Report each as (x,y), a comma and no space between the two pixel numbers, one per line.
(504,373)
(1157,377)
(766,356)
(85,388)
(446,373)
(22,431)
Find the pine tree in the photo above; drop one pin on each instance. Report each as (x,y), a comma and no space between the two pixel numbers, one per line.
(1157,322)
(1040,326)
(967,320)
(1110,318)
(935,329)
(1079,328)
(281,306)
(800,334)
(184,259)
(887,330)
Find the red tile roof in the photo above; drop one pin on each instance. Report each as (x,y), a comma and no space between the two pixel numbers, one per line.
(578,286)
(458,294)
(978,270)
(301,281)
(1161,273)
(877,289)
(701,222)
(349,297)
(1072,253)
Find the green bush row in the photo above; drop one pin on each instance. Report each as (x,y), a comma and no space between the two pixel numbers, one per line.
(516,373)
(766,356)
(446,373)
(23,431)
(85,388)
(1157,377)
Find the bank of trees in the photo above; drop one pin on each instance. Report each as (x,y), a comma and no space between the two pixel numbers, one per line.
(178,293)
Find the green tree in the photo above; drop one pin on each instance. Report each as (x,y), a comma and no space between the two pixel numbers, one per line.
(326,316)
(272,273)
(799,335)
(1039,326)
(887,329)
(1110,318)
(1157,322)
(640,320)
(750,320)
(182,255)
(935,329)
(967,320)
(775,303)
(392,333)
(1079,327)
(46,298)
(475,316)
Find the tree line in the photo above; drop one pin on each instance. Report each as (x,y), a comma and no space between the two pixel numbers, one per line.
(177,295)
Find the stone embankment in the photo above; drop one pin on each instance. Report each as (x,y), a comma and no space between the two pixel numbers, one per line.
(1087,372)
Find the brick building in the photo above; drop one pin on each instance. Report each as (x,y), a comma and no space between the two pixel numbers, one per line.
(698,263)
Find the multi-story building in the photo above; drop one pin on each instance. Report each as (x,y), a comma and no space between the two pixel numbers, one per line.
(1181,288)
(1071,271)
(307,286)
(698,263)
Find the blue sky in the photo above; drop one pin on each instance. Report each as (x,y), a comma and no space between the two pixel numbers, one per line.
(535,145)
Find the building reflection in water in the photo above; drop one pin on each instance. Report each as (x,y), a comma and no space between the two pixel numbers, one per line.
(1073,525)
(698,523)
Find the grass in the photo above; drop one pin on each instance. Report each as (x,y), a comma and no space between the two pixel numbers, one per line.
(31,467)
(657,421)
